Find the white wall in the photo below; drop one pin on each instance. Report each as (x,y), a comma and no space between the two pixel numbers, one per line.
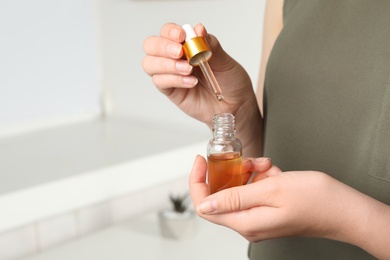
(50,67)
(48,61)
(125,25)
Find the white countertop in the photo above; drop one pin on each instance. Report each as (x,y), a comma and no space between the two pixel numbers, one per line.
(53,154)
(57,170)
(140,238)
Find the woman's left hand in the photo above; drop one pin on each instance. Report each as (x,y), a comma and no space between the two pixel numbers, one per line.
(282,204)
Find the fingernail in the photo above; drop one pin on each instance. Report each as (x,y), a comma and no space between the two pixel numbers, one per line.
(190,81)
(175,34)
(204,28)
(183,67)
(247,163)
(174,49)
(262,159)
(208,207)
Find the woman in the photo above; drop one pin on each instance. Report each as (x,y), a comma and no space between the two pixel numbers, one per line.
(325,75)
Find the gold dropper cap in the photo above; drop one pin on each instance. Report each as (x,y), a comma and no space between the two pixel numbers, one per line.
(194,47)
(198,53)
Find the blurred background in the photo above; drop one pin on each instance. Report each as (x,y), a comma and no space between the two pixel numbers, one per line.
(82,128)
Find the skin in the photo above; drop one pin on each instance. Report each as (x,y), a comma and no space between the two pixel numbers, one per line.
(186,88)
(299,203)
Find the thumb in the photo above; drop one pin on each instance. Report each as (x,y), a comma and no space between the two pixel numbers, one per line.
(197,180)
(211,40)
(231,200)
(216,48)
(200,30)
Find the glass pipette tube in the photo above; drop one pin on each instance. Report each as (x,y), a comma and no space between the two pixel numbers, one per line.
(209,75)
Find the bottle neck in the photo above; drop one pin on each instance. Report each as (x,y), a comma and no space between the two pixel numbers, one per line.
(224,126)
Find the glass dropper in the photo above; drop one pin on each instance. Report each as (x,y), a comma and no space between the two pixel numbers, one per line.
(198,53)
(209,75)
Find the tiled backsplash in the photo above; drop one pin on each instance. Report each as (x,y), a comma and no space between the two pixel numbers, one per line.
(94,217)
(19,242)
(46,233)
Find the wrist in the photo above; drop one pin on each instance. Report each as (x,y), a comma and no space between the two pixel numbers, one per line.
(364,223)
(373,229)
(249,125)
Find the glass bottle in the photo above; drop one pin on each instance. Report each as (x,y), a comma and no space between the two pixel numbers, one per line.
(224,155)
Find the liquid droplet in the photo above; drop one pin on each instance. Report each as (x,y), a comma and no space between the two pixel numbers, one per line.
(219,97)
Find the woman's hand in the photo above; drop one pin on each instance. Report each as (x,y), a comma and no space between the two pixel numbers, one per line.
(300,203)
(255,169)
(184,85)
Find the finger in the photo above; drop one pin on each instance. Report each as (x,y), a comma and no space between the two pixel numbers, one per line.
(200,30)
(211,40)
(247,165)
(197,181)
(261,164)
(173,32)
(214,45)
(259,176)
(238,198)
(158,46)
(262,175)
(161,65)
(246,173)
(273,171)
(166,82)
(255,224)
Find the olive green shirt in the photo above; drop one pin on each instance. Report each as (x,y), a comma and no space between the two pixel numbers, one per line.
(327,106)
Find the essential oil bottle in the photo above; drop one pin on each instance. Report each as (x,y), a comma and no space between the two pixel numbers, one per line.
(224,155)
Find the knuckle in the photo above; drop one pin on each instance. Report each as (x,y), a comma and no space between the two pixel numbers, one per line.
(233,201)
(164,82)
(172,31)
(158,65)
(272,192)
(273,186)
(154,46)
(166,65)
(164,31)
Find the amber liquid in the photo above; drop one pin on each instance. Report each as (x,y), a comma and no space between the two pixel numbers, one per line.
(224,171)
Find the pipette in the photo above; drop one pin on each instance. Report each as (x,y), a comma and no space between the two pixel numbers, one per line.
(198,53)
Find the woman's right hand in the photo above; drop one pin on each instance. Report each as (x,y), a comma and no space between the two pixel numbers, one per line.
(184,85)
